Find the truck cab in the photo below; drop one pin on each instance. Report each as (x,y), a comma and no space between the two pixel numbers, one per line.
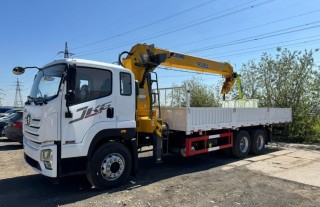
(74,107)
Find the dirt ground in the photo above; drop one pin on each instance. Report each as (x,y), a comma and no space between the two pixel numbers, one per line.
(207,180)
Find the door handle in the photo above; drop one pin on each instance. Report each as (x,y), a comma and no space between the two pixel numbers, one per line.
(110,113)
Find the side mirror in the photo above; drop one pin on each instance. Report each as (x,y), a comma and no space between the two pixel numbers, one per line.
(18,70)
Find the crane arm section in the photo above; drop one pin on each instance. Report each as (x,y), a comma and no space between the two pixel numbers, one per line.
(144,58)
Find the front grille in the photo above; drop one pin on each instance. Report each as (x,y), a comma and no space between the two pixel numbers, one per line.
(32,162)
(32,130)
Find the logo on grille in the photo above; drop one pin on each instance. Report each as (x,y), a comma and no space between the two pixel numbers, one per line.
(28,119)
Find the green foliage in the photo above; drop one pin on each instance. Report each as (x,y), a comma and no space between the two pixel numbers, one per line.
(202,95)
(290,79)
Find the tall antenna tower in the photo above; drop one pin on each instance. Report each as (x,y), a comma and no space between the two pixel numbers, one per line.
(66,52)
(18,103)
(1,98)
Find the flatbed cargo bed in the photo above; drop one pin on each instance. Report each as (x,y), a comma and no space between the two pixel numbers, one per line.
(193,119)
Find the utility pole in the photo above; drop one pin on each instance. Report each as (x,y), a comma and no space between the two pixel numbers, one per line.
(66,52)
(1,98)
(18,103)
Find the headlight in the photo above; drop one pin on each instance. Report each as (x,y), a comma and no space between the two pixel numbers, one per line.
(46,157)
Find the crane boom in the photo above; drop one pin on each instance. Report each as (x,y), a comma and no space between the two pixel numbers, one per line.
(149,57)
(143,59)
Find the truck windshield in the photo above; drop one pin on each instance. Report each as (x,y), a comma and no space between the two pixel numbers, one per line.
(46,84)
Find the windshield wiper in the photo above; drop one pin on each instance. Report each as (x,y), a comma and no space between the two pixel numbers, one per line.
(28,100)
(40,100)
(37,101)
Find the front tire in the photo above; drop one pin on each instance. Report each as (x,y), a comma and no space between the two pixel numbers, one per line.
(241,144)
(110,166)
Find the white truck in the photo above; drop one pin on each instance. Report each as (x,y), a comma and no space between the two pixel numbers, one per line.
(87,117)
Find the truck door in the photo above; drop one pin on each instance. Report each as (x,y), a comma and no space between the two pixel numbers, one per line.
(93,106)
(126,102)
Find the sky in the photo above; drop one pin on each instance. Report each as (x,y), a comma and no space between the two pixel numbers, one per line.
(32,33)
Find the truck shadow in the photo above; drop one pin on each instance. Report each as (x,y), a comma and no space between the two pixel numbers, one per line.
(36,190)
(11,147)
(4,139)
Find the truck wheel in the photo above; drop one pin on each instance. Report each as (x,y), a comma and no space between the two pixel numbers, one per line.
(258,140)
(110,166)
(241,144)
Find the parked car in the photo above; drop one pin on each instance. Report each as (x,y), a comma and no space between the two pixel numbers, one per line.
(3,110)
(8,112)
(3,122)
(13,129)
(2,125)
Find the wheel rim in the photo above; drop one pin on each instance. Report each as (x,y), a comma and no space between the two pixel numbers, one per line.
(260,142)
(244,144)
(112,166)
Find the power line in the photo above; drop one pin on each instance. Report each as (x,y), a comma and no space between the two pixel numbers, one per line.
(248,28)
(261,46)
(198,73)
(146,25)
(103,49)
(270,48)
(125,18)
(211,19)
(143,38)
(181,27)
(249,39)
(256,16)
(201,74)
(258,37)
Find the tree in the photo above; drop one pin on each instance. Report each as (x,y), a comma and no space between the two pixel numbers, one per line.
(202,95)
(290,79)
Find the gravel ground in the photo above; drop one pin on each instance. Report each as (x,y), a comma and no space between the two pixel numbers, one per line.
(296,146)
(196,181)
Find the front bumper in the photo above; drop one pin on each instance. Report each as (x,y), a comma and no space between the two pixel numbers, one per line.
(32,152)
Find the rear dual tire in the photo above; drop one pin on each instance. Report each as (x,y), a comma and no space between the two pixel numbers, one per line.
(244,143)
(258,141)
(241,145)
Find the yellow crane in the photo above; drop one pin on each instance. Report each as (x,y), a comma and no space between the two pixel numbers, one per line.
(143,59)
